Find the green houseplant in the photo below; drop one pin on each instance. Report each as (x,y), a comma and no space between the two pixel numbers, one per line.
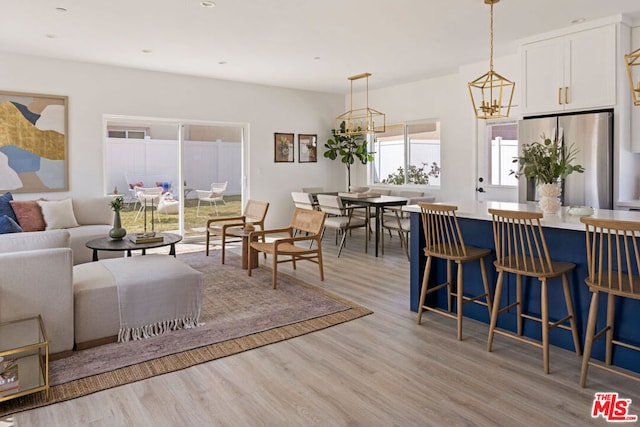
(547,163)
(349,148)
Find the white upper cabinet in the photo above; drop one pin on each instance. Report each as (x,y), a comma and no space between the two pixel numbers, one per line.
(572,72)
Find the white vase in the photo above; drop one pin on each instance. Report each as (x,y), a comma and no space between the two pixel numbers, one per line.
(550,197)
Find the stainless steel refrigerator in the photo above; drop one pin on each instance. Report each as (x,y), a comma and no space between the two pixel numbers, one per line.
(592,135)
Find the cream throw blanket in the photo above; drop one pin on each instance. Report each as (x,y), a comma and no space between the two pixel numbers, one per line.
(156,294)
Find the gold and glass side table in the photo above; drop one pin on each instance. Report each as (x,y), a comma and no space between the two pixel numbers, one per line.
(25,343)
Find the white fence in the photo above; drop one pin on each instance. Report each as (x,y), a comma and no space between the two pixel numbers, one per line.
(149,161)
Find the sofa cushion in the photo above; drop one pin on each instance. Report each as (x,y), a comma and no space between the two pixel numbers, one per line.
(58,214)
(5,206)
(79,236)
(18,242)
(29,214)
(8,225)
(93,210)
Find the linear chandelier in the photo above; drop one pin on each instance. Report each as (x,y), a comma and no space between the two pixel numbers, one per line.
(360,120)
(490,92)
(633,60)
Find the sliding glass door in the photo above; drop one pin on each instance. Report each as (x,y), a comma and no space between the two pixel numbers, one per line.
(183,159)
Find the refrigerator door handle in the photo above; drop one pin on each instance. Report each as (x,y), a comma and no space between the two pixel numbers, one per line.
(560,135)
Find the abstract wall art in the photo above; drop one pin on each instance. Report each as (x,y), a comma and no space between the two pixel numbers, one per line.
(33,143)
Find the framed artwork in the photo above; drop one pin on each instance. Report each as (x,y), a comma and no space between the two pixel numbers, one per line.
(33,143)
(283,147)
(307,148)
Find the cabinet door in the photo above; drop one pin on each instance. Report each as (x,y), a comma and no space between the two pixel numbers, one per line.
(543,76)
(590,70)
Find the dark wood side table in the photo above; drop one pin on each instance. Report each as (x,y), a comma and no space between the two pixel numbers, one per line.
(246,252)
(106,244)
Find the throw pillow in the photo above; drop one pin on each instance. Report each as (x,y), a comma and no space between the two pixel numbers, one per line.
(29,214)
(137,184)
(58,214)
(5,206)
(8,225)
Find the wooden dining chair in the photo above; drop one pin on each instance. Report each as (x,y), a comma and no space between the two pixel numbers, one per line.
(228,228)
(521,249)
(310,223)
(443,240)
(613,257)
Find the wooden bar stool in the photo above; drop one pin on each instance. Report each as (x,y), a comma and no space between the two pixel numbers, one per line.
(613,258)
(444,240)
(521,249)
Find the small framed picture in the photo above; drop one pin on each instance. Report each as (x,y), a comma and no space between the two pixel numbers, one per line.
(283,147)
(307,148)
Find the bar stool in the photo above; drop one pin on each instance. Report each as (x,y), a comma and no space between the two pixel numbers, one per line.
(521,249)
(444,240)
(613,257)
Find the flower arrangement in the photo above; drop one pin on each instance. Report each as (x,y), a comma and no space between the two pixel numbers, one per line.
(117,203)
(547,162)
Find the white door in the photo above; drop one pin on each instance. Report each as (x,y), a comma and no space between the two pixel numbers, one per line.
(497,148)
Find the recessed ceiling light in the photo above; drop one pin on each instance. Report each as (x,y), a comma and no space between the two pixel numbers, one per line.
(578,21)
(207,4)
(222,62)
(316,58)
(50,36)
(146,51)
(61,9)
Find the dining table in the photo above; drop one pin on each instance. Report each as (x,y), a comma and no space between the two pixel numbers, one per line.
(377,202)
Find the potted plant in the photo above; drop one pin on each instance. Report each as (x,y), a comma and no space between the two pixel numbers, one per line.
(349,148)
(117,232)
(547,163)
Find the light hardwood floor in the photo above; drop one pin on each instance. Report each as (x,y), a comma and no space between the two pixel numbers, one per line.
(380,370)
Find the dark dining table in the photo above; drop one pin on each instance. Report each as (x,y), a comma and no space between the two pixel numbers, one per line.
(379,202)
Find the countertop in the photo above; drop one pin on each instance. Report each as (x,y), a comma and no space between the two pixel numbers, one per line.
(564,220)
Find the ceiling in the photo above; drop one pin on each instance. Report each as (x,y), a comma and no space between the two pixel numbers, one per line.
(302,44)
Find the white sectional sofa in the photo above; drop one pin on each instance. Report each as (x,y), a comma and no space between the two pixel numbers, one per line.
(37,269)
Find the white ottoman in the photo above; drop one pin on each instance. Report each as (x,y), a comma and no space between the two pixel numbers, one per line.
(134,298)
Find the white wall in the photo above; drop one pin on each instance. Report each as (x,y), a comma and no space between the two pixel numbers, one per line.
(447,99)
(95,90)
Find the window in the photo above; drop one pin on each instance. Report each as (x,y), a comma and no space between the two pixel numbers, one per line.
(407,154)
(127,133)
(503,149)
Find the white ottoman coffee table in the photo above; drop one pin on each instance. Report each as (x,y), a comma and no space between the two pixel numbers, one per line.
(136,297)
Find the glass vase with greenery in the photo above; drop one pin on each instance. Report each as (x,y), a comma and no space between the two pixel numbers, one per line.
(348,148)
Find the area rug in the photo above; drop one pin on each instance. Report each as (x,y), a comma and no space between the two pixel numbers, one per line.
(239,313)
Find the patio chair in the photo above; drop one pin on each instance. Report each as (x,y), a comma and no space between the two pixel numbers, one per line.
(148,198)
(214,195)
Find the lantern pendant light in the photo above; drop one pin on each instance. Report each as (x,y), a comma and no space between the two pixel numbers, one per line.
(633,71)
(360,121)
(491,94)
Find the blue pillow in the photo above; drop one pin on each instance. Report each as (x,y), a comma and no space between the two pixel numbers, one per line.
(5,206)
(7,225)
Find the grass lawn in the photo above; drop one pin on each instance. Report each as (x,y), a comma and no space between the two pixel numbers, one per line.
(194,225)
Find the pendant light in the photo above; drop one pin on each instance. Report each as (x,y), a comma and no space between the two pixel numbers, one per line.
(490,92)
(360,120)
(633,71)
